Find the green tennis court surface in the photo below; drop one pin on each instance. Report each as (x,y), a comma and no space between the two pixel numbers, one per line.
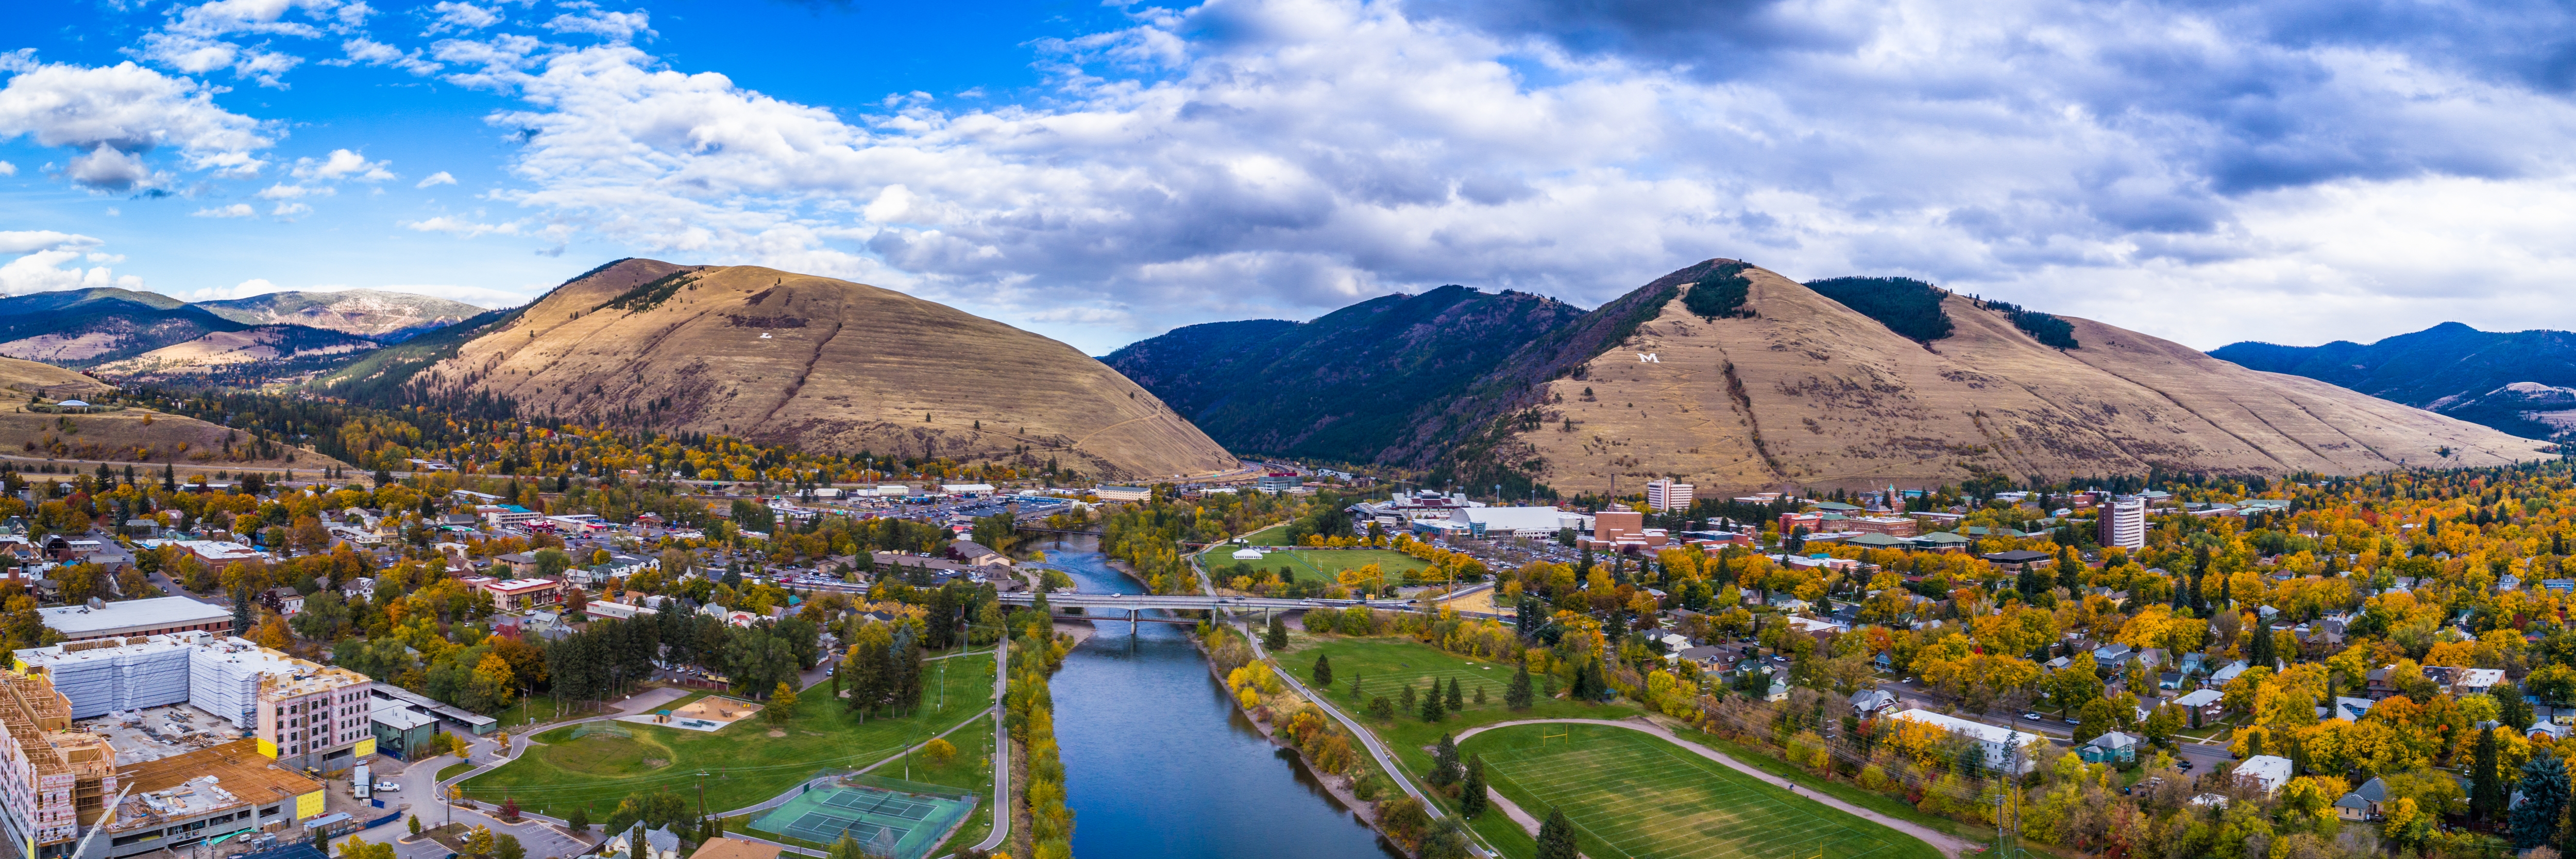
(888,822)
(1635,796)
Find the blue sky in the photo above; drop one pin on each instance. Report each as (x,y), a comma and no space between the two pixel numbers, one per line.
(2296,171)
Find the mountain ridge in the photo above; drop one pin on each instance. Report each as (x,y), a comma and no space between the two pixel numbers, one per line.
(778,357)
(2502,379)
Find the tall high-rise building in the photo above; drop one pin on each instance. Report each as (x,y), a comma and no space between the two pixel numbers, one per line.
(2124,523)
(1666,496)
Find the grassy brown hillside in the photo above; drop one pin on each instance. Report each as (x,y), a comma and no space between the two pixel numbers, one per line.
(29,377)
(827,364)
(1804,390)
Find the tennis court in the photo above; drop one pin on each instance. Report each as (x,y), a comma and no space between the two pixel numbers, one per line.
(902,822)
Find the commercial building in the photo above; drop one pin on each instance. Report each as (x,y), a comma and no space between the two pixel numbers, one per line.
(399,729)
(300,713)
(2124,523)
(2004,747)
(155,616)
(1122,493)
(1278,481)
(517,594)
(1893,526)
(1666,496)
(1619,529)
(203,796)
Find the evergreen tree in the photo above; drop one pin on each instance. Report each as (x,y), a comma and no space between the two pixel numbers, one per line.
(1431,709)
(2566,828)
(1445,770)
(1471,796)
(1480,694)
(1355,685)
(1277,638)
(1324,673)
(1405,698)
(1556,837)
(241,611)
(2486,781)
(2259,650)
(2544,791)
(579,821)
(1456,700)
(1518,695)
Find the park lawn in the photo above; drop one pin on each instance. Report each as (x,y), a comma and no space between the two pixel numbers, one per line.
(1632,795)
(971,770)
(452,770)
(1310,565)
(1842,790)
(1275,535)
(743,764)
(1384,664)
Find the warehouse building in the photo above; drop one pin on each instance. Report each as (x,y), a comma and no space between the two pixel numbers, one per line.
(156,616)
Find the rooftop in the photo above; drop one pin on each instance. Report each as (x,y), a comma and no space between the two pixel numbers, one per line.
(176,788)
(76,620)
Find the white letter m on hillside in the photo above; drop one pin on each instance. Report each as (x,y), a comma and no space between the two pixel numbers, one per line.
(1648,358)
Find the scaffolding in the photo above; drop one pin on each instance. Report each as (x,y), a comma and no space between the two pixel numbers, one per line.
(112,674)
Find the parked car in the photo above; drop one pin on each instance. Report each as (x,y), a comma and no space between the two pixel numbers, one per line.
(2035,717)
(2184,765)
(387,786)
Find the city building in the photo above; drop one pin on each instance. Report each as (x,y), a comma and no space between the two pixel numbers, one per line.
(1666,496)
(1278,481)
(52,779)
(2124,523)
(1619,529)
(2004,747)
(399,729)
(301,713)
(518,594)
(1893,526)
(2267,772)
(2019,559)
(1120,493)
(155,616)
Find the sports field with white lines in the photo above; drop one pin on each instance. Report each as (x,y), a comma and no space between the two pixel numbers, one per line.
(1636,796)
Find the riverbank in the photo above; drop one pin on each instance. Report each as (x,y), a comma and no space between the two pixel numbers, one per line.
(1343,788)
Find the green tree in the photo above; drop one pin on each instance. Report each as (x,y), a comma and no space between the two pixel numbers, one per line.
(1404,696)
(1519,696)
(1381,708)
(1276,639)
(506,846)
(579,821)
(2486,780)
(1324,672)
(1556,837)
(782,704)
(1445,769)
(552,562)
(1431,710)
(1457,701)
(415,824)
(2544,791)
(1471,795)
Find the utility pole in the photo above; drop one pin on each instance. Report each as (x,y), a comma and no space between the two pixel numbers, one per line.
(702,794)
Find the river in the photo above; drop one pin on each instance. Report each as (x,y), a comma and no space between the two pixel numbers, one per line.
(1158,763)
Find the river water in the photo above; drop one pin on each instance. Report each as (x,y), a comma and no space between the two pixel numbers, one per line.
(1158,763)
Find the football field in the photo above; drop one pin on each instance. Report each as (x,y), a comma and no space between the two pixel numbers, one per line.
(1633,795)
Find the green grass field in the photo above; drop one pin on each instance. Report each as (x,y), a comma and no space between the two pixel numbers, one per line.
(1384,664)
(1310,565)
(1635,796)
(743,763)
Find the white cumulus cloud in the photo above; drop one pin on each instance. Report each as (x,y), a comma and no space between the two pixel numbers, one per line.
(614,26)
(439,178)
(460,227)
(39,268)
(342,164)
(236,210)
(460,17)
(290,211)
(115,114)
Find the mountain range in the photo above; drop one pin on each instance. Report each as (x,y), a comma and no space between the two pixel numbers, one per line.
(1342,387)
(1732,377)
(2521,382)
(85,328)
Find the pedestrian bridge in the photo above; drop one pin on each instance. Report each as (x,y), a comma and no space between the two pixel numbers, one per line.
(1095,605)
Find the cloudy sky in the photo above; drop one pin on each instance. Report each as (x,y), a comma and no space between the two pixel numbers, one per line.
(2295,172)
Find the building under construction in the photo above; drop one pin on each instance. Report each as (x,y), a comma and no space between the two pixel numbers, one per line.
(57,786)
(302,713)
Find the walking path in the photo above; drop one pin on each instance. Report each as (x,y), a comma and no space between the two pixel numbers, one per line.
(648,699)
(1948,844)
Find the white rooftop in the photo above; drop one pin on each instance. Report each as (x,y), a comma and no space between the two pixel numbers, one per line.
(76,620)
(1519,518)
(397,715)
(1989,733)
(2270,771)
